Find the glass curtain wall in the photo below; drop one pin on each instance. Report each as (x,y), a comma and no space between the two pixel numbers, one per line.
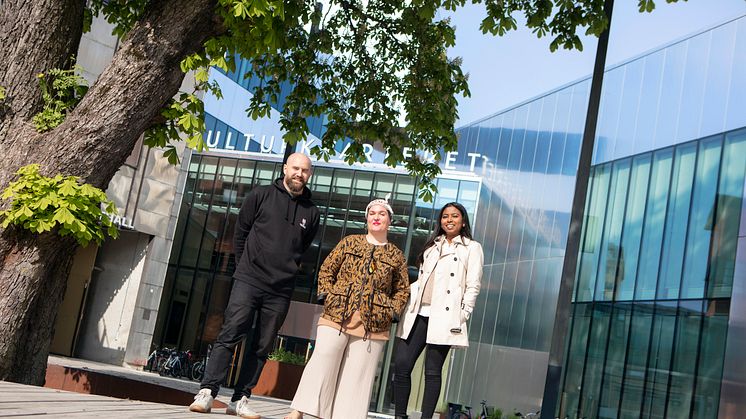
(201,265)
(524,211)
(653,290)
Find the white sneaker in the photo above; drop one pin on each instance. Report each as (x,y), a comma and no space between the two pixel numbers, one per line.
(202,401)
(231,409)
(244,411)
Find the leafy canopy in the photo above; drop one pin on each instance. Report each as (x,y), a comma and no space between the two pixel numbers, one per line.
(376,70)
(41,203)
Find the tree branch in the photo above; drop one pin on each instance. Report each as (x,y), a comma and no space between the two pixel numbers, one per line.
(144,74)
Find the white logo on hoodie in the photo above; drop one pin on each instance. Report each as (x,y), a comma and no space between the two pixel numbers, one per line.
(303,224)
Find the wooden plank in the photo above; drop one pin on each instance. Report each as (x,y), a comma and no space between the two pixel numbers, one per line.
(17,400)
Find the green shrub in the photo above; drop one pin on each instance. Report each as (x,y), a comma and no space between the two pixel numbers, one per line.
(41,203)
(61,90)
(281,355)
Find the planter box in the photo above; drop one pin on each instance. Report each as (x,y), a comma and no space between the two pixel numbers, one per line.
(279,380)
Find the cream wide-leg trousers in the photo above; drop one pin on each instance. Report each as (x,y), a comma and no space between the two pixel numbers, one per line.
(338,378)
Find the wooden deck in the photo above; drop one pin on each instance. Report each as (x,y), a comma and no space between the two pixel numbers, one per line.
(19,401)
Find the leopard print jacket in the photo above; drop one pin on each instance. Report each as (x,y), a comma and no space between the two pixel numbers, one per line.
(360,276)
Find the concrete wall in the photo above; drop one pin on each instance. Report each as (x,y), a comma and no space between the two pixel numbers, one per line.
(111,298)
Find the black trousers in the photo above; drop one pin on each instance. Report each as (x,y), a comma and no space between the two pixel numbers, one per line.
(406,353)
(244,305)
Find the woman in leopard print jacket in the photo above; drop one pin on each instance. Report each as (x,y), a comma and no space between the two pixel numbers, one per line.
(365,287)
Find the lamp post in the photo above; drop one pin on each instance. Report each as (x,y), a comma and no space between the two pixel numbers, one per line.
(569,266)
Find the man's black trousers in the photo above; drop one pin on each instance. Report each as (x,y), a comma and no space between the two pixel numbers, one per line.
(246,302)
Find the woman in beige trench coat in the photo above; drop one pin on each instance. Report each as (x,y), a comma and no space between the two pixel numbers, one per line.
(440,303)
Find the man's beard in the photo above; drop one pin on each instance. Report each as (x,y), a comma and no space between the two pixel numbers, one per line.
(295,185)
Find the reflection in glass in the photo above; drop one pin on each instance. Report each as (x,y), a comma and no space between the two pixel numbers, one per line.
(635,370)
(633,220)
(728,213)
(655,215)
(610,249)
(700,228)
(614,366)
(684,363)
(676,221)
(712,347)
(594,362)
(594,221)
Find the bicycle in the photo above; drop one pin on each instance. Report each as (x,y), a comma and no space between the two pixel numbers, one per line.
(157,360)
(178,364)
(466,412)
(198,369)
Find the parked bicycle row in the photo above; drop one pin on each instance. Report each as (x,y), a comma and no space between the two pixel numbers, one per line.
(175,363)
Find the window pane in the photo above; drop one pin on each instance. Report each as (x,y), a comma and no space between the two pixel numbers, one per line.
(711,353)
(693,87)
(725,232)
(518,312)
(335,218)
(676,221)
(534,304)
(492,295)
(629,109)
(610,244)
(591,245)
(719,74)
(655,215)
(700,226)
(265,173)
(608,120)
(505,306)
(639,345)
(659,361)
(401,203)
(614,368)
(632,234)
(595,360)
(685,359)
(670,98)
(649,98)
(575,364)
(362,190)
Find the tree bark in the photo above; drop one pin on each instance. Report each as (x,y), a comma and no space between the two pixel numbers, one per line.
(33,280)
(92,143)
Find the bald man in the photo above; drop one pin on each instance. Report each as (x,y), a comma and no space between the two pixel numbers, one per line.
(275,226)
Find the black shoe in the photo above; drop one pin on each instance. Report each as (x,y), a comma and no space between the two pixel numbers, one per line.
(402,417)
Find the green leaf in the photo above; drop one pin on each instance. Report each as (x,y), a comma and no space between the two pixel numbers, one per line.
(68,188)
(172,156)
(63,216)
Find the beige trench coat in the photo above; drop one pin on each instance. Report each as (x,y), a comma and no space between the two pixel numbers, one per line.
(457,282)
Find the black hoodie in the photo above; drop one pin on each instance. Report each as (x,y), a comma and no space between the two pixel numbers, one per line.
(273,231)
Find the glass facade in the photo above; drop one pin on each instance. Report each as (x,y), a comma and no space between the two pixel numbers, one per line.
(523,219)
(652,296)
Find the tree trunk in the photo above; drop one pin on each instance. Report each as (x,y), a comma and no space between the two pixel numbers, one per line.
(33,280)
(92,143)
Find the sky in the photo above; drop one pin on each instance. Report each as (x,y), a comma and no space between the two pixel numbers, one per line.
(505,71)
